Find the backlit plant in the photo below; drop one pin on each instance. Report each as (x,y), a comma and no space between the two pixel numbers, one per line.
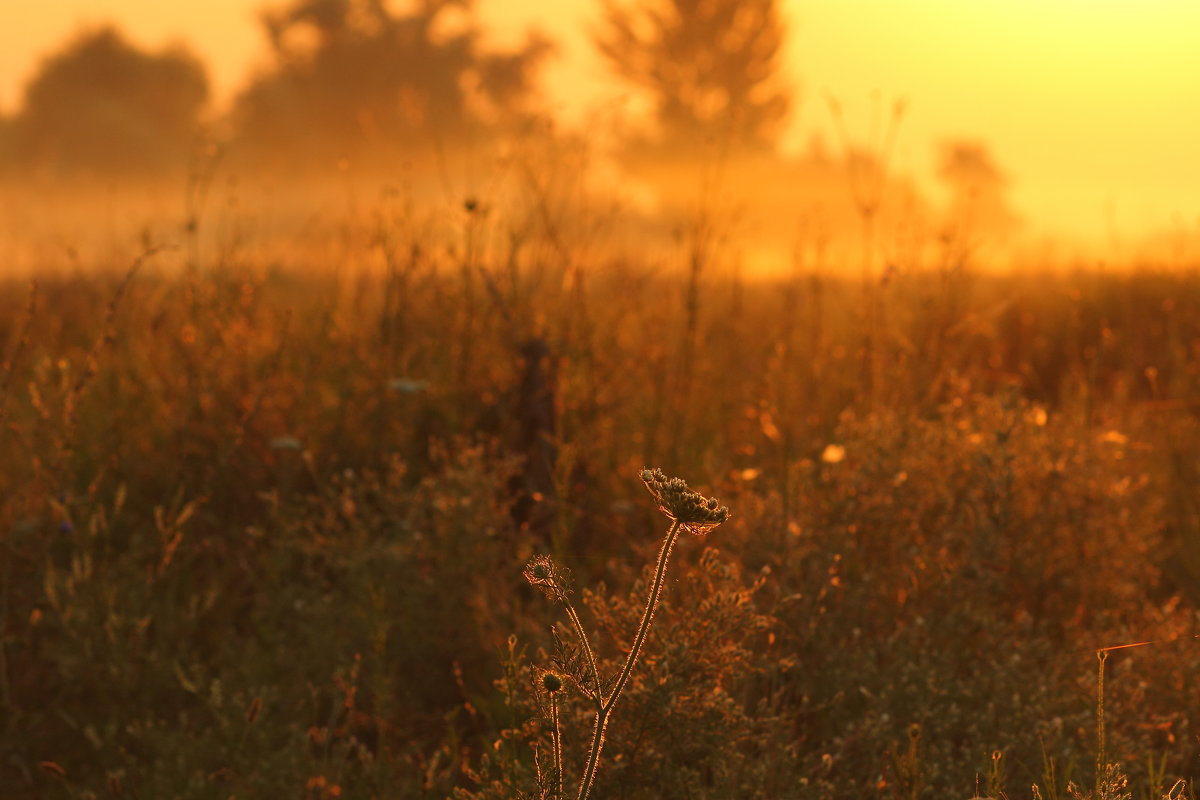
(687,510)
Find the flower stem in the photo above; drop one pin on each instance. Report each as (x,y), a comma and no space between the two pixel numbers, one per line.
(605,706)
(557,741)
(587,649)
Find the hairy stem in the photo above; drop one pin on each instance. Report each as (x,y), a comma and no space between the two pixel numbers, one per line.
(557,741)
(1101,756)
(589,772)
(660,575)
(587,650)
(606,706)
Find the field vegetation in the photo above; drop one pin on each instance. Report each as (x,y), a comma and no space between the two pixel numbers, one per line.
(267,510)
(336,487)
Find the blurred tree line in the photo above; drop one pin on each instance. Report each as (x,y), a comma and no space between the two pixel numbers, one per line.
(359,81)
(353,77)
(346,78)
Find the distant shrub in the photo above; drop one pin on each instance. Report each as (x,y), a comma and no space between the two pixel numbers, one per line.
(103,106)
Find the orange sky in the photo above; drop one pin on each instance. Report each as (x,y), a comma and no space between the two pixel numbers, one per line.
(1093,106)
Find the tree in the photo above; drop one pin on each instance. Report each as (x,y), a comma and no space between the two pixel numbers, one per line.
(353,77)
(7,139)
(978,190)
(101,105)
(709,66)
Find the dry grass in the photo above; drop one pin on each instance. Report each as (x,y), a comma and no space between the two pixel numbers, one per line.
(264,521)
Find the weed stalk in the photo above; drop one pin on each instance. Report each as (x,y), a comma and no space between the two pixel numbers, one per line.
(1101,757)
(605,706)
(686,510)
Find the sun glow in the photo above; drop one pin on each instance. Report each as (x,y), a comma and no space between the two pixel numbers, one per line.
(1088,106)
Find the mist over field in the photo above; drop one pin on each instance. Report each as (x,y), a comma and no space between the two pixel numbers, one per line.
(382,424)
(353,101)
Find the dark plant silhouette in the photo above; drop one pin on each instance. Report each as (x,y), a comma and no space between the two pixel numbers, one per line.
(102,105)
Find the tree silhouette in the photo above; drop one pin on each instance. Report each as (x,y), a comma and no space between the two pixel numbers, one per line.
(7,140)
(352,76)
(977,190)
(709,66)
(101,105)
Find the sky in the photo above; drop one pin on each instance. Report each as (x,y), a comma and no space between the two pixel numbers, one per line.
(1092,107)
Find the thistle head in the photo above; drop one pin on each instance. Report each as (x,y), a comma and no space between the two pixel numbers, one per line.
(695,512)
(552,683)
(549,578)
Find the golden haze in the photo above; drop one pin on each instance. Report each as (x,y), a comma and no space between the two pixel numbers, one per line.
(1089,105)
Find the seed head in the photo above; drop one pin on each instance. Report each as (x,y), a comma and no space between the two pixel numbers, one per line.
(551,682)
(695,512)
(543,574)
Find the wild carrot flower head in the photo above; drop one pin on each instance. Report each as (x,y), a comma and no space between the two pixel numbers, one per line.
(695,512)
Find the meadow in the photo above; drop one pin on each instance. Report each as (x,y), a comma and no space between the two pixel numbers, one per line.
(267,504)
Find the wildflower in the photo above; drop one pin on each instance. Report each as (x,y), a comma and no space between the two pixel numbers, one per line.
(833,454)
(551,682)
(543,574)
(695,512)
